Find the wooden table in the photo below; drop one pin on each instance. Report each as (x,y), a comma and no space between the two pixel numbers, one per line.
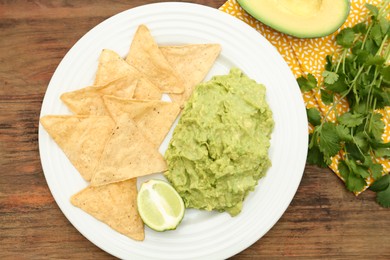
(323,220)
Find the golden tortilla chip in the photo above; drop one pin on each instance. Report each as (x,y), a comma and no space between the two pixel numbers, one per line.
(112,66)
(145,55)
(115,205)
(146,90)
(82,138)
(153,117)
(89,100)
(127,154)
(192,62)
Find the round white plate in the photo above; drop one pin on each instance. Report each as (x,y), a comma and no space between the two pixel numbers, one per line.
(201,235)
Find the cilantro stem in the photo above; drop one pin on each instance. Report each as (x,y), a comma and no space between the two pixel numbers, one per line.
(354,85)
(342,59)
(334,106)
(382,45)
(371,116)
(387,53)
(365,36)
(371,101)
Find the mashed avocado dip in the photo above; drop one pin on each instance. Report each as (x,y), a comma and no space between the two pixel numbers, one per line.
(219,149)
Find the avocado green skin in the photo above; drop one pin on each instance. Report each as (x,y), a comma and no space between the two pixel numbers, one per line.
(293,32)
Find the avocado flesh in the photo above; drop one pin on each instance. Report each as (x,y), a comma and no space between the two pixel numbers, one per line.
(299,18)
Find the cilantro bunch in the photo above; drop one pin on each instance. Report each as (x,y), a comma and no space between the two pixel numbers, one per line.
(361,75)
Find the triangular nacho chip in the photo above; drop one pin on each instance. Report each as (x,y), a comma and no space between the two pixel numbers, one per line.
(112,66)
(89,100)
(146,90)
(155,118)
(192,62)
(127,154)
(115,205)
(145,55)
(82,138)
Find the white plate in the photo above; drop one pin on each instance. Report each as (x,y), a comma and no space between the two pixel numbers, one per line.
(201,235)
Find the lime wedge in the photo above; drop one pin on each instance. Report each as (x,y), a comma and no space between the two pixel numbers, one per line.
(159,205)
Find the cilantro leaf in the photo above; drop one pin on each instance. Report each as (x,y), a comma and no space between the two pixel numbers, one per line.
(330,77)
(365,81)
(357,47)
(376,170)
(384,24)
(307,84)
(381,184)
(382,152)
(343,133)
(350,69)
(374,11)
(359,108)
(376,34)
(339,85)
(383,198)
(386,97)
(343,169)
(361,141)
(385,73)
(316,157)
(329,142)
(351,119)
(327,97)
(368,162)
(382,97)
(374,60)
(313,116)
(377,126)
(358,170)
(363,172)
(382,187)
(370,46)
(346,37)
(355,183)
(329,63)
(361,56)
(353,151)
(360,28)
(379,144)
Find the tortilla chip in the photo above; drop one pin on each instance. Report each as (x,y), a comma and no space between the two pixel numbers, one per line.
(115,205)
(153,117)
(127,155)
(112,66)
(192,62)
(82,138)
(146,90)
(89,100)
(145,55)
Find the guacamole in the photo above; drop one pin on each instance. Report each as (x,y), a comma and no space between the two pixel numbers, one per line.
(219,149)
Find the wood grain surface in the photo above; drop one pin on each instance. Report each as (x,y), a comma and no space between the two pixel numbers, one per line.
(323,220)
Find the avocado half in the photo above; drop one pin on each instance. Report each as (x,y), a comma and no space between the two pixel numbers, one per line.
(299,18)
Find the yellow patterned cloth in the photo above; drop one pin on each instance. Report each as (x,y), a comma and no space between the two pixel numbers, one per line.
(308,56)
